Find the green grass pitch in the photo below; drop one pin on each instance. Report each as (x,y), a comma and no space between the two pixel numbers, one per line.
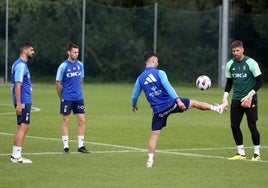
(192,149)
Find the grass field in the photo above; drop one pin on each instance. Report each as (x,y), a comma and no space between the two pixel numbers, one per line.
(192,149)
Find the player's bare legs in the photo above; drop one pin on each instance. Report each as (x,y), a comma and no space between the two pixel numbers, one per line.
(20,134)
(151,147)
(199,105)
(81,133)
(19,137)
(206,106)
(153,141)
(64,125)
(81,123)
(64,132)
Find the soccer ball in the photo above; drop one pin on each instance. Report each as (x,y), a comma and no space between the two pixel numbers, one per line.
(203,82)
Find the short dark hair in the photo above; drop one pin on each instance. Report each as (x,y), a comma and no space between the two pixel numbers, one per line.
(148,54)
(25,44)
(71,45)
(236,43)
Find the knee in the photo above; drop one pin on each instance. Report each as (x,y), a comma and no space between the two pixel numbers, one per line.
(235,126)
(81,121)
(24,127)
(65,121)
(252,126)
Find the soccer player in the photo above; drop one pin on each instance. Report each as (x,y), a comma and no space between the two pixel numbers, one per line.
(163,100)
(244,75)
(69,78)
(22,99)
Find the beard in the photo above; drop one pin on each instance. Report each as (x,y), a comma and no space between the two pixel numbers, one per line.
(238,57)
(29,56)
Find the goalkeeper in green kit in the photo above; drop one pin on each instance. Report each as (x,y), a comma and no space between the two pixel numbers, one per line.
(244,76)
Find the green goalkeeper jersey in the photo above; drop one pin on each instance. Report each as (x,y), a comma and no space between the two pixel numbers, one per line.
(243,74)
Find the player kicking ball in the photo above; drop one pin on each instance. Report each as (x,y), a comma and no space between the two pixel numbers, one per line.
(163,100)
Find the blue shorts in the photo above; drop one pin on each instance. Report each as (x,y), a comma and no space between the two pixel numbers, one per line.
(77,107)
(25,114)
(160,120)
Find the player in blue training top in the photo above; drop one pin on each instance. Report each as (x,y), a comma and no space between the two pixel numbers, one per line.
(22,99)
(163,99)
(69,76)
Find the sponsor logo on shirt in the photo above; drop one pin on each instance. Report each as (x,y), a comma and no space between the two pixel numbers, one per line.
(72,74)
(155,91)
(240,75)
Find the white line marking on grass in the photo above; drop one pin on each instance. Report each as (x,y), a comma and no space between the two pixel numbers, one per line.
(132,149)
(203,156)
(93,143)
(190,154)
(61,153)
(207,149)
(33,109)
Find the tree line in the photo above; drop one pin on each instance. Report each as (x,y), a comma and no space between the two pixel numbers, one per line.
(119,31)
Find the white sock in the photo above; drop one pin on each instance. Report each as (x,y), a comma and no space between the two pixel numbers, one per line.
(150,157)
(80,140)
(214,108)
(65,140)
(16,152)
(257,150)
(240,150)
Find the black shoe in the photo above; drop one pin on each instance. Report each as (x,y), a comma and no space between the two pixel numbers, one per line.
(83,150)
(66,151)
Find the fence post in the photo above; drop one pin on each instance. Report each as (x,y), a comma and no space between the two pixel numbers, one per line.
(6,59)
(83,31)
(155,26)
(224,41)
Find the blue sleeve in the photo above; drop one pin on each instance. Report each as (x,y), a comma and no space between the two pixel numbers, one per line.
(167,85)
(60,72)
(82,71)
(136,92)
(19,72)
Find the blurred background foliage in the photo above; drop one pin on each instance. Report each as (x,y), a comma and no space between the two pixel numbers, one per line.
(117,32)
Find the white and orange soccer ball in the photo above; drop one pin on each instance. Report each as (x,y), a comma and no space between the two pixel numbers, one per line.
(203,82)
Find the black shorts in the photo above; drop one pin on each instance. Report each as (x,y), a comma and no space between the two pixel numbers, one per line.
(25,114)
(160,120)
(237,111)
(77,107)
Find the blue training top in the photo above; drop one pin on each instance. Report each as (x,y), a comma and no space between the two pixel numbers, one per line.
(21,73)
(158,91)
(70,75)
